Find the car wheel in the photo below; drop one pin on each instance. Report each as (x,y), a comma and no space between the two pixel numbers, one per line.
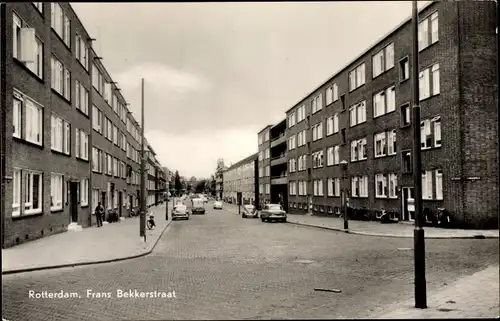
(284,220)
(262,219)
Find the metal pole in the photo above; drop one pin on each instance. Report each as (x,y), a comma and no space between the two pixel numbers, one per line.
(3,112)
(142,224)
(418,235)
(166,207)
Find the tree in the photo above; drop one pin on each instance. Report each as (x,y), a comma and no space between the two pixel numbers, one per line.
(200,186)
(177,183)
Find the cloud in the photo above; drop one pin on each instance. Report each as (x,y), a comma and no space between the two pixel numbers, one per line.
(196,153)
(161,78)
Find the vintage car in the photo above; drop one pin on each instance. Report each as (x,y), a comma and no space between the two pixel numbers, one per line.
(249,211)
(273,212)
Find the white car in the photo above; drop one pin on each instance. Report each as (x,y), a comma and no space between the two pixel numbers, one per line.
(180,211)
(218,205)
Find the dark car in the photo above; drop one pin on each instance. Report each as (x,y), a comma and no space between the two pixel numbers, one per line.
(249,211)
(273,212)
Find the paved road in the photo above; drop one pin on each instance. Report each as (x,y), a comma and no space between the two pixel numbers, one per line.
(224,267)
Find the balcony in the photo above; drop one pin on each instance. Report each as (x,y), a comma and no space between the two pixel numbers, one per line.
(278,140)
(279,180)
(278,160)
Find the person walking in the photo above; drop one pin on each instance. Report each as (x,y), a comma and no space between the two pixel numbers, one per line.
(99,213)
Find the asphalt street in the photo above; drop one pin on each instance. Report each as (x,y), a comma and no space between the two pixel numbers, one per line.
(224,267)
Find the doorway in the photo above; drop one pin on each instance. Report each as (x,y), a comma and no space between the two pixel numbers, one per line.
(103,203)
(408,204)
(120,202)
(73,196)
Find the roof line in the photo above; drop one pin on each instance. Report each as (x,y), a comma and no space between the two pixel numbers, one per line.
(353,61)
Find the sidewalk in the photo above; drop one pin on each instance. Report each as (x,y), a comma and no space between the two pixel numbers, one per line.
(474,296)
(112,242)
(375,228)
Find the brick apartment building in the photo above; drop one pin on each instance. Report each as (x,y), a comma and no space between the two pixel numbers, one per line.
(353,133)
(278,163)
(264,167)
(240,178)
(69,140)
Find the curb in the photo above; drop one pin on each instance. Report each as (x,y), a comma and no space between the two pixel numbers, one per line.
(479,236)
(51,267)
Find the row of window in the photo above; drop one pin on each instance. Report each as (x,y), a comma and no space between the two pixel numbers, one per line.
(28,48)
(383,61)
(27,191)
(385,186)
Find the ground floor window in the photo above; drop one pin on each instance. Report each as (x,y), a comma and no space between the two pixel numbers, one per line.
(56,191)
(95,197)
(27,185)
(84,192)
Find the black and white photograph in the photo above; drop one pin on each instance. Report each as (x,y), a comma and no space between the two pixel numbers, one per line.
(249,160)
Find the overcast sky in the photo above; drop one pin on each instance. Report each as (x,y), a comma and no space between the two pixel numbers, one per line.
(217,73)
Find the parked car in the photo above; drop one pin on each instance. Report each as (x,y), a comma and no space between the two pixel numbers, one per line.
(249,211)
(180,211)
(273,212)
(198,206)
(217,205)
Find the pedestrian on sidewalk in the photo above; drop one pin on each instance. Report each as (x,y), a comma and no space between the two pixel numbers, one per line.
(99,213)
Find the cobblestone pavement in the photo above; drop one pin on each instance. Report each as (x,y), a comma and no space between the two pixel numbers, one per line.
(224,267)
(88,245)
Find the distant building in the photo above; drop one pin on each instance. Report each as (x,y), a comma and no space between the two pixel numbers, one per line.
(240,178)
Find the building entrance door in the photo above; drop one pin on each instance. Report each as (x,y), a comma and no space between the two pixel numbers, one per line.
(73,194)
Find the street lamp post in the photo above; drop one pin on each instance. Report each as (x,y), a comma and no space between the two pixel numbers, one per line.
(418,233)
(142,224)
(344,164)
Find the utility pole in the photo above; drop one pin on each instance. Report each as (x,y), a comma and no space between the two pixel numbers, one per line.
(418,232)
(142,224)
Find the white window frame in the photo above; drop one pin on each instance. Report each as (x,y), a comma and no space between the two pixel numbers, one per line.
(335,123)
(379,149)
(362,152)
(392,185)
(17,117)
(427,185)
(381,181)
(317,103)
(404,69)
(31,119)
(16,191)
(439,184)
(28,208)
(357,77)
(56,191)
(329,126)
(391,142)
(357,113)
(60,135)
(428,31)
(329,156)
(336,155)
(429,82)
(426,134)
(384,60)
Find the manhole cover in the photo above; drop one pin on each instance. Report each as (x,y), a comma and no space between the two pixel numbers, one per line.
(303,261)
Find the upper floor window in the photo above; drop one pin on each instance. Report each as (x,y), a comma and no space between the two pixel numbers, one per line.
(429,82)
(430,133)
(301,138)
(385,143)
(293,188)
(317,159)
(96,119)
(82,144)
(358,150)
(301,113)
(302,163)
(404,69)
(97,79)
(291,120)
(332,94)
(82,98)
(357,77)
(82,52)
(428,31)
(332,156)
(38,6)
(333,186)
(31,120)
(383,60)
(291,142)
(317,103)
(27,47)
(266,136)
(332,124)
(317,131)
(357,113)
(60,135)
(292,165)
(384,102)
(267,153)
(61,78)
(259,137)
(60,23)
